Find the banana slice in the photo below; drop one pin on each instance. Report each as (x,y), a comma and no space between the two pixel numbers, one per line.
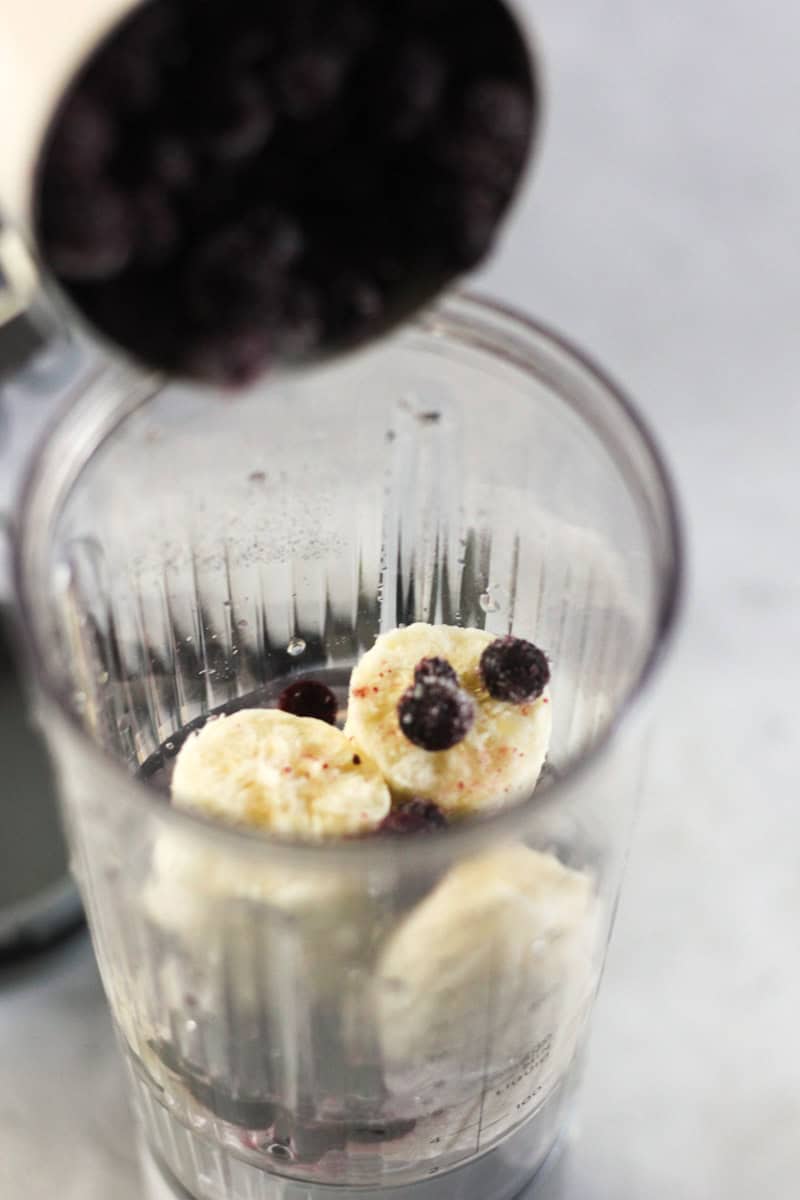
(192,881)
(494,965)
(267,769)
(499,760)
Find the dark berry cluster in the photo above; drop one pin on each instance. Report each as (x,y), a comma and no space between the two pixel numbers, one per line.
(228,184)
(415,816)
(435,713)
(307,698)
(514,670)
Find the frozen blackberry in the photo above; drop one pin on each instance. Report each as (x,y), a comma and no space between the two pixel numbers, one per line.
(435,714)
(514,670)
(308,698)
(434,668)
(415,816)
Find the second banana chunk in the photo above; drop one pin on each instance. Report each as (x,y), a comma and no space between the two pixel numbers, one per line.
(500,750)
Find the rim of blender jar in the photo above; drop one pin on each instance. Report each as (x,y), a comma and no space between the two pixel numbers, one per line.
(462,318)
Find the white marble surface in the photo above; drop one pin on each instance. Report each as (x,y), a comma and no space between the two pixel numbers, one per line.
(660,230)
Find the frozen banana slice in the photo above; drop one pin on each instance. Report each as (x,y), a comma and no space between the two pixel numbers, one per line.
(503,743)
(494,966)
(192,883)
(270,770)
(267,770)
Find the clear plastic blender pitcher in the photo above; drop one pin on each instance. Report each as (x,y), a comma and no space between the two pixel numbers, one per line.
(407,1016)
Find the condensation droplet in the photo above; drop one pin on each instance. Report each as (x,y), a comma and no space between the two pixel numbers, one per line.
(488,602)
(169,745)
(296,647)
(104,676)
(191,1025)
(189,638)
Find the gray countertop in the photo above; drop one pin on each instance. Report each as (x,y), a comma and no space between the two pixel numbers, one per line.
(659,231)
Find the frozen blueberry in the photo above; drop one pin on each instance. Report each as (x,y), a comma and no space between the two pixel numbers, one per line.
(309,80)
(414,89)
(246,46)
(299,325)
(278,239)
(501,111)
(87,232)
(128,73)
(353,24)
(514,670)
(233,277)
(415,816)
(172,162)
(308,698)
(475,217)
(158,229)
(237,124)
(354,305)
(379,144)
(84,137)
(476,160)
(126,77)
(434,714)
(434,668)
(231,358)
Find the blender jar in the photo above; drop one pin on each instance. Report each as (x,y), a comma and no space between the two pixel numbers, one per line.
(369,1015)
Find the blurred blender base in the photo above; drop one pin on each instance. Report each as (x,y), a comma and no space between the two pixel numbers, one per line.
(548,1183)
